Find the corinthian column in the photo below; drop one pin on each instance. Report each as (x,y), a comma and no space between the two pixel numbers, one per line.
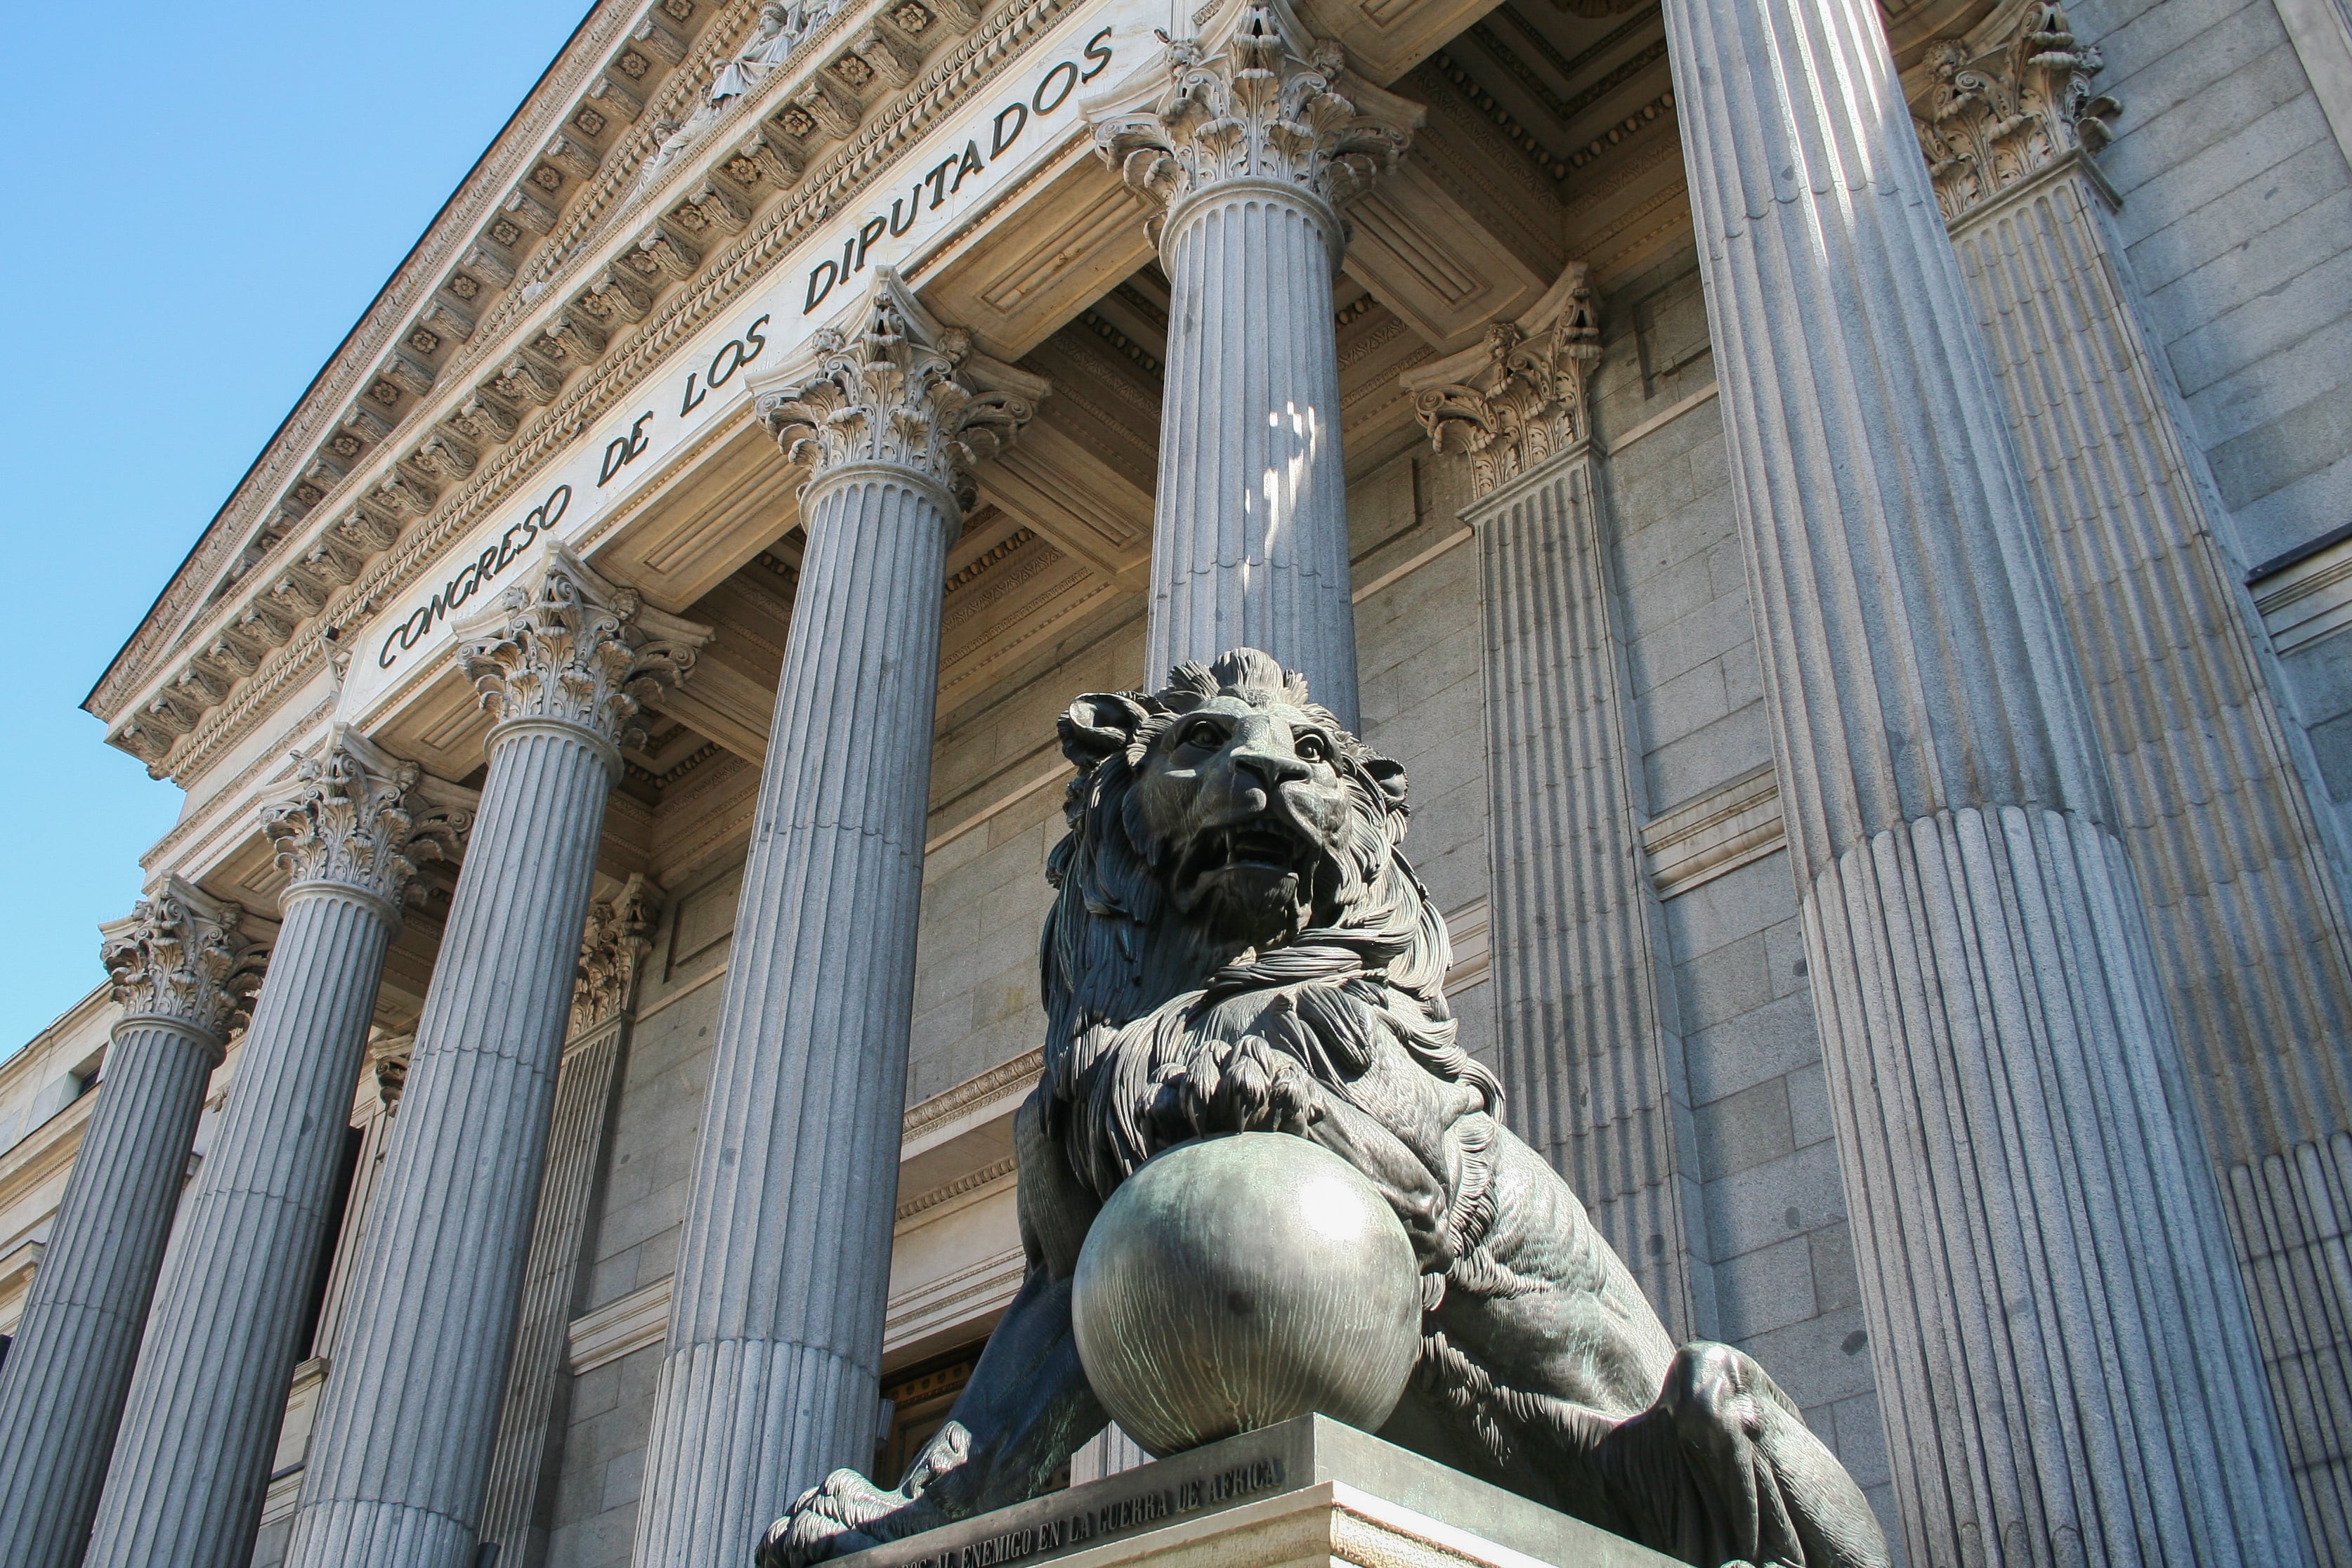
(613,952)
(2250,928)
(2064,1354)
(770,1377)
(402,1448)
(180,973)
(1251,140)
(193,1461)
(1591,1061)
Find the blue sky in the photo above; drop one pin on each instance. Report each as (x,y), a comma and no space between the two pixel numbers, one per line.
(204,205)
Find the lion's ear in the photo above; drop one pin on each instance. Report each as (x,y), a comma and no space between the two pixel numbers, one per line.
(1389,774)
(1100,725)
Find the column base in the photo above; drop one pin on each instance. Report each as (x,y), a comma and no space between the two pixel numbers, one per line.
(1309,1493)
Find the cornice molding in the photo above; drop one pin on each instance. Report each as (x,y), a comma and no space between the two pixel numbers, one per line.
(161,631)
(974,62)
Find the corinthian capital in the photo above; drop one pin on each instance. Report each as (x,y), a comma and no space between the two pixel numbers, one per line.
(180,956)
(1257,99)
(892,386)
(566,646)
(1991,117)
(360,818)
(613,951)
(1517,398)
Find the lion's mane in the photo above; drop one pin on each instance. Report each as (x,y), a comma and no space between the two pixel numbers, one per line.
(1131,987)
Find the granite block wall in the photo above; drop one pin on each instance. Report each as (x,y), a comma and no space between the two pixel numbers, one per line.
(1784,1280)
(2237,217)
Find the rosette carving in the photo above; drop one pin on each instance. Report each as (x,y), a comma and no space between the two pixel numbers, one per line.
(356,817)
(180,955)
(1993,118)
(893,386)
(569,647)
(1266,102)
(1517,398)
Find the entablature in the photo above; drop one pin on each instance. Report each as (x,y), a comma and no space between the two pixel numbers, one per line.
(607,360)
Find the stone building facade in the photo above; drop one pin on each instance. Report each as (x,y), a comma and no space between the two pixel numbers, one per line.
(1844,512)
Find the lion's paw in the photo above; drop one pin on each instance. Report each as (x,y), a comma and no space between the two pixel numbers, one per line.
(849,1513)
(1232,1086)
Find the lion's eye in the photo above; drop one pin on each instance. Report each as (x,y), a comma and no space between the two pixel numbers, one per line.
(1203,733)
(1310,748)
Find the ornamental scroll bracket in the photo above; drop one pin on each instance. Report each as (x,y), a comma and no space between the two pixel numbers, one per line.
(1988,118)
(1518,398)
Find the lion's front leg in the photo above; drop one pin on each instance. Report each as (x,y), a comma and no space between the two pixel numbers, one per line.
(849,1513)
(1028,1408)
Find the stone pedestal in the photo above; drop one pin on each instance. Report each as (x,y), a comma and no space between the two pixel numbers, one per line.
(771,1375)
(402,1453)
(1308,1493)
(2064,1354)
(180,970)
(193,1461)
(1254,139)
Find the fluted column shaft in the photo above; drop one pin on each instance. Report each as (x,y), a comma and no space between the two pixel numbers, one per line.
(178,966)
(1252,139)
(1249,544)
(89,1299)
(1591,1066)
(2064,1354)
(770,1376)
(402,1445)
(772,1370)
(402,1448)
(193,1461)
(189,1473)
(532,1417)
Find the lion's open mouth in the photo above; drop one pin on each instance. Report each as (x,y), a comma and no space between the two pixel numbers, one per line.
(1260,846)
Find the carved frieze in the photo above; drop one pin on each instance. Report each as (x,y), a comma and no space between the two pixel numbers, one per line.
(1513,400)
(895,387)
(180,955)
(1994,116)
(570,648)
(355,816)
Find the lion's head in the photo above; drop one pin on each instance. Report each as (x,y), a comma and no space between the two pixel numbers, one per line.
(1228,837)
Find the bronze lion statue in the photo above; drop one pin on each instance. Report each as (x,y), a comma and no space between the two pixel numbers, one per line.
(1239,944)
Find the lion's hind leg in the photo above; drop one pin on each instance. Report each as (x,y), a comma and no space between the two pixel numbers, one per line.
(1722,1470)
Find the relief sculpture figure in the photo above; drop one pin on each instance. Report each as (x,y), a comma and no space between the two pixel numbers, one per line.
(1238,944)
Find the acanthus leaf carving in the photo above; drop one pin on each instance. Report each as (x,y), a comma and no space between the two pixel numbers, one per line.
(569,647)
(892,386)
(1993,118)
(1518,398)
(360,818)
(1265,102)
(613,951)
(180,954)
